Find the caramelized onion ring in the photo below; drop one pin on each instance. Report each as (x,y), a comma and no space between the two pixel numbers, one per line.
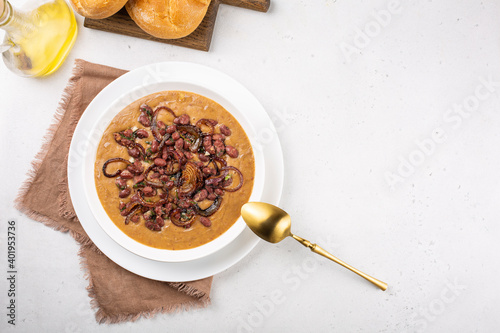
(150,204)
(175,218)
(132,213)
(210,210)
(194,131)
(207,123)
(154,125)
(113,160)
(236,188)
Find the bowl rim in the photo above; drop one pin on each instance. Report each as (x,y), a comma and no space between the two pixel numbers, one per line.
(109,226)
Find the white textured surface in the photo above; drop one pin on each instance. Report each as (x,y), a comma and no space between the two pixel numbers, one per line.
(344,122)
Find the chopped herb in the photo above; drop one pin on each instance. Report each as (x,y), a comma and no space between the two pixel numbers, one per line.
(227,177)
(139,184)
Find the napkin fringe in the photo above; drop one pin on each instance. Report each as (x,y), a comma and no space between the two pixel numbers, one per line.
(71,92)
(102,317)
(42,153)
(44,149)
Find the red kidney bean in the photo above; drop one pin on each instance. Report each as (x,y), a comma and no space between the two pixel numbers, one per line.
(207,171)
(161,171)
(144,120)
(125,142)
(141,134)
(200,196)
(148,191)
(213,122)
(121,183)
(211,150)
(184,119)
(159,210)
(138,179)
(177,120)
(218,191)
(168,208)
(160,222)
(145,108)
(205,221)
(176,136)
(188,155)
(134,152)
(220,137)
(122,206)
(126,174)
(171,129)
(155,175)
(180,153)
(169,184)
(232,152)
(203,157)
(225,130)
(212,196)
(135,218)
(200,165)
(164,178)
(154,146)
(161,124)
(219,148)
(186,145)
(138,166)
(179,144)
(160,162)
(207,141)
(134,169)
(185,204)
(124,193)
(162,132)
(128,132)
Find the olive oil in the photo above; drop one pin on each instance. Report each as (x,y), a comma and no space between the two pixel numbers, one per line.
(38,41)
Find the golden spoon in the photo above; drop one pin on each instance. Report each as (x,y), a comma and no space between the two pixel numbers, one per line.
(273,224)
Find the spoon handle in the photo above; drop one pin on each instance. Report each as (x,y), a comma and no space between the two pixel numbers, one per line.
(319,250)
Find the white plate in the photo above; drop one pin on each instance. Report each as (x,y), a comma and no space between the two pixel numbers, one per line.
(135,84)
(236,104)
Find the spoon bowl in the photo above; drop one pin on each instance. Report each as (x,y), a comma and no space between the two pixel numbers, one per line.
(273,224)
(269,222)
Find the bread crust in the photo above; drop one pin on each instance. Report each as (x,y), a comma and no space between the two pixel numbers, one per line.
(168,19)
(97,9)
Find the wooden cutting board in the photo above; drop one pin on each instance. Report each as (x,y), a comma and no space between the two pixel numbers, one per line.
(200,39)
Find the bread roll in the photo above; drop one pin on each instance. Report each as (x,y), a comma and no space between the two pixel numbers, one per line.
(97,9)
(167,19)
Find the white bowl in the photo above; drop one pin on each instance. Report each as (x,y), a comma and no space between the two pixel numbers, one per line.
(233,104)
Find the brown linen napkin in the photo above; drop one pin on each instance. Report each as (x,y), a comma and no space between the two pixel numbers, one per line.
(118,294)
